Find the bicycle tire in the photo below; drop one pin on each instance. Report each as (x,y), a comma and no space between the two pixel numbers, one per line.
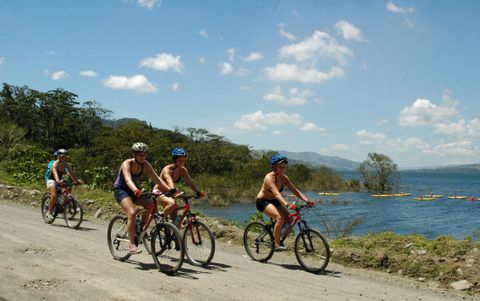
(117,238)
(167,248)
(73,213)
(258,241)
(147,238)
(312,251)
(199,243)
(44,208)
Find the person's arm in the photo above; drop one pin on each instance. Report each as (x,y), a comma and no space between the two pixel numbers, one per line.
(294,189)
(154,176)
(71,173)
(127,174)
(167,177)
(189,181)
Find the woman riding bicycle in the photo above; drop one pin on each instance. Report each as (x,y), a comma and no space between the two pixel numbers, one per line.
(270,200)
(172,174)
(127,190)
(53,177)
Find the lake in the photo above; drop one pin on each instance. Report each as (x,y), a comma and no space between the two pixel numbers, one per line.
(403,215)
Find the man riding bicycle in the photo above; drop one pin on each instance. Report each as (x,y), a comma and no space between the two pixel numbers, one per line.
(127,189)
(172,174)
(53,177)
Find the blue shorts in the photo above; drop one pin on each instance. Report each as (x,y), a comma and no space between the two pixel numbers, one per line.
(120,194)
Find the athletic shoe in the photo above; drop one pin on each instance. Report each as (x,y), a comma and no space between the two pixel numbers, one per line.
(280,248)
(49,216)
(134,250)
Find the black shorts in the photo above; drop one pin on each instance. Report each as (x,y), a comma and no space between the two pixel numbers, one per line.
(121,194)
(263,203)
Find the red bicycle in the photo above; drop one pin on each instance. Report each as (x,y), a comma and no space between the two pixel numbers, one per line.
(198,240)
(66,204)
(311,249)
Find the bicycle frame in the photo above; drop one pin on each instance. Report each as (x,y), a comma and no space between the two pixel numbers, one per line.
(191,217)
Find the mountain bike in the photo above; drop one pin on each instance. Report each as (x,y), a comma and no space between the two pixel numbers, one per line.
(66,204)
(311,248)
(163,240)
(198,239)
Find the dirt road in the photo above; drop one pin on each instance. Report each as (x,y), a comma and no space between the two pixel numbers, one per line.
(52,262)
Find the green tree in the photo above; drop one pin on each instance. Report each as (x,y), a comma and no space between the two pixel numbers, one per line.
(379,173)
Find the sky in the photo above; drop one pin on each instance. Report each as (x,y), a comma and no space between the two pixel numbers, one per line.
(340,78)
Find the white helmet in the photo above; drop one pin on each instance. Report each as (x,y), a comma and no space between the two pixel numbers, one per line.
(140,147)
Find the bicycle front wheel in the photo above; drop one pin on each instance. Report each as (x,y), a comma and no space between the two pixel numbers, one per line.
(73,213)
(167,248)
(312,251)
(199,243)
(258,241)
(117,238)
(44,208)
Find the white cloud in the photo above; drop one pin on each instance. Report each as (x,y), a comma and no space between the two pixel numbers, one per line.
(2,60)
(163,62)
(138,83)
(254,56)
(278,133)
(284,33)
(226,69)
(399,10)
(203,33)
(414,143)
(366,137)
(339,147)
(88,73)
(149,4)
(474,128)
(452,128)
(382,122)
(242,72)
(260,121)
(58,75)
(201,60)
(424,112)
(311,127)
(296,97)
(290,72)
(175,86)
(455,148)
(319,45)
(348,31)
(231,54)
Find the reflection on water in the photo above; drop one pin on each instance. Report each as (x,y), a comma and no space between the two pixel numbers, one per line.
(402,215)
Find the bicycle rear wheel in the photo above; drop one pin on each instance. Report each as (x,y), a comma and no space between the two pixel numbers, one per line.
(117,238)
(147,237)
(312,251)
(73,213)
(258,241)
(167,248)
(44,208)
(199,243)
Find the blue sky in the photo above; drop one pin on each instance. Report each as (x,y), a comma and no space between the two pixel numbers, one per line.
(341,78)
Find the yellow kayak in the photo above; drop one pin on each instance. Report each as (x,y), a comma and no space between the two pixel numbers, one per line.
(382,195)
(433,196)
(329,193)
(424,199)
(462,197)
(391,195)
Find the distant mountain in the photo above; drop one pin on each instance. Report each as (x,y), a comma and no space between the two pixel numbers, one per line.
(456,168)
(317,160)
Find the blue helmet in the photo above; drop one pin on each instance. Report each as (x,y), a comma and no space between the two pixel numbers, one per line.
(278,158)
(178,152)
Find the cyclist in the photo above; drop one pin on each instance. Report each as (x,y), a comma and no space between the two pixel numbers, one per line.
(270,200)
(54,177)
(127,190)
(172,174)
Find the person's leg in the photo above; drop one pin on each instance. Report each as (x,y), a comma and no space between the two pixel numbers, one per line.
(272,211)
(169,206)
(129,208)
(52,188)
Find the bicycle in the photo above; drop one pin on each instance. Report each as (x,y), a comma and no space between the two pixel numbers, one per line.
(198,239)
(311,248)
(164,239)
(65,204)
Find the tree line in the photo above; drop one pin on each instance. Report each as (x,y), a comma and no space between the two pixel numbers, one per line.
(35,123)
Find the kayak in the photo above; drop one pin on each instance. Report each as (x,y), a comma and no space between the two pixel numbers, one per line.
(458,197)
(391,195)
(472,198)
(329,193)
(424,199)
(433,196)
(381,195)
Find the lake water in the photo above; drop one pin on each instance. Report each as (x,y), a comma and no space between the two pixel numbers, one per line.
(402,215)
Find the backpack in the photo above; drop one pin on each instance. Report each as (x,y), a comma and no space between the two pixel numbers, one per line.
(48,172)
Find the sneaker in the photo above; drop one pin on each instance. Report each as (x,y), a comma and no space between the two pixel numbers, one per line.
(134,250)
(49,216)
(280,248)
